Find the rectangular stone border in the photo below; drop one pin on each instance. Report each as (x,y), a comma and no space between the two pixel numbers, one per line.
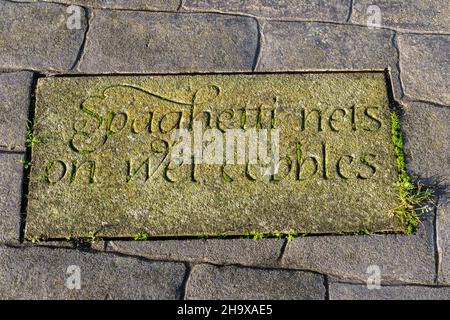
(392,106)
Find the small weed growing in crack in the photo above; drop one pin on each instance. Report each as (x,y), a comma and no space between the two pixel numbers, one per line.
(413,196)
(30,138)
(141,236)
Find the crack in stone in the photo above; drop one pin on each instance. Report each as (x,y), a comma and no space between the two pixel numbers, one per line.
(394,42)
(343,278)
(5,149)
(405,96)
(296,20)
(326,284)
(349,279)
(184,284)
(91,250)
(391,285)
(181,5)
(437,243)
(432,103)
(259,44)
(88,16)
(282,251)
(210,262)
(350,12)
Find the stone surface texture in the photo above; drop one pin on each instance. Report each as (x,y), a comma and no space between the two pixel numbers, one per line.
(11,177)
(143,42)
(422,15)
(401,258)
(324,46)
(443,223)
(36,36)
(425,65)
(427,134)
(332,10)
(262,252)
(44,273)
(156,5)
(228,282)
(15,94)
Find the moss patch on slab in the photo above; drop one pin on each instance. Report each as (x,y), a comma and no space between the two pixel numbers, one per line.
(413,196)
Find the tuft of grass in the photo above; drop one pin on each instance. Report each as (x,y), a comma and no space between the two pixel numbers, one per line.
(413,196)
(141,236)
(30,138)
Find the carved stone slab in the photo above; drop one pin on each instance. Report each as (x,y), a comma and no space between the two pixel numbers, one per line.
(212,154)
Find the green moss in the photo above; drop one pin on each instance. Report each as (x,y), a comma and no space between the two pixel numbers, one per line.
(34,239)
(71,238)
(141,236)
(26,164)
(412,196)
(258,235)
(91,237)
(277,235)
(291,235)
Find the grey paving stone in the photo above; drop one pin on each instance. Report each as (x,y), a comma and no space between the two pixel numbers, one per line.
(229,282)
(331,10)
(43,273)
(263,252)
(346,291)
(401,258)
(319,46)
(425,66)
(15,93)
(423,15)
(426,133)
(124,4)
(11,175)
(121,41)
(443,231)
(35,36)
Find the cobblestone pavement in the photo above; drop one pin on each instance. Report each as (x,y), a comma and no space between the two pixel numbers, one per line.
(157,36)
